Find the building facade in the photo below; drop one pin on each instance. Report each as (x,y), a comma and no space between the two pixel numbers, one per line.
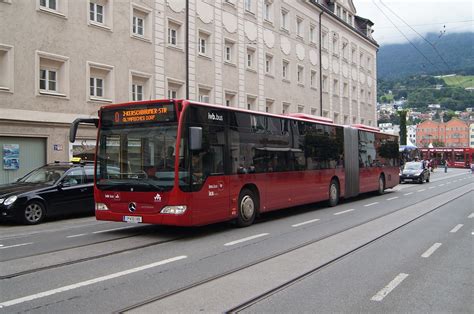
(279,56)
(471,135)
(454,133)
(411,134)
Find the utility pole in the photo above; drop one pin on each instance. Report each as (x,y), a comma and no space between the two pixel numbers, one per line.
(187,48)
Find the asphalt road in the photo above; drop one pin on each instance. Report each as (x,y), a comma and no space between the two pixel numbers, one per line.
(362,255)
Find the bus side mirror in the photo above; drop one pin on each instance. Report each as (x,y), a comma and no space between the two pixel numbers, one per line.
(195,138)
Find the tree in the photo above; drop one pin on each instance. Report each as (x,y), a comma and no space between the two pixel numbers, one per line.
(403,126)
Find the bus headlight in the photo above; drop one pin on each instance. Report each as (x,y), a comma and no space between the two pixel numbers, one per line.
(101,206)
(174,210)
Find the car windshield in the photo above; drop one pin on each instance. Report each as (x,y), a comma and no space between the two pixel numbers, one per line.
(413,166)
(137,157)
(47,175)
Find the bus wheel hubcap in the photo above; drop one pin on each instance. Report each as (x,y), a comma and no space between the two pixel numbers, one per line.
(247,207)
(333,191)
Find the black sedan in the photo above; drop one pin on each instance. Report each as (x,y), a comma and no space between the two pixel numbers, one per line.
(414,171)
(54,189)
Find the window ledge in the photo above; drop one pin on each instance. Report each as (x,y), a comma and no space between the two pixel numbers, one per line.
(324,49)
(50,93)
(52,12)
(313,44)
(335,55)
(284,30)
(286,81)
(314,88)
(200,55)
(141,38)
(268,22)
(270,75)
(230,64)
(99,26)
(176,48)
(4,89)
(100,99)
(301,84)
(250,14)
(251,70)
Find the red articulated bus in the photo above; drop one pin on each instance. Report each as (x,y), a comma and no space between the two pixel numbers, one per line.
(183,163)
(457,157)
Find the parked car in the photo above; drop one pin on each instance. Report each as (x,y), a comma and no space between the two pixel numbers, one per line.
(414,171)
(53,189)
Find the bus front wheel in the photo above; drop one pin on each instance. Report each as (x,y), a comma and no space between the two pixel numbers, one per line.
(333,193)
(247,208)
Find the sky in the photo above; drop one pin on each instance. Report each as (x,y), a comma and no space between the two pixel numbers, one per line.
(425,16)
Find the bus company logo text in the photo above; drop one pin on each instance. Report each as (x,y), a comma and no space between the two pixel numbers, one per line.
(157,197)
(139,115)
(214,116)
(112,196)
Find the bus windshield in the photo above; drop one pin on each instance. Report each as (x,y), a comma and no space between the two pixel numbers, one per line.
(137,158)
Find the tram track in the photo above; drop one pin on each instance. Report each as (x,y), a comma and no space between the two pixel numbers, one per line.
(151,244)
(288,283)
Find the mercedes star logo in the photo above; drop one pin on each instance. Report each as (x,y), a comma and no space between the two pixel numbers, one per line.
(132,207)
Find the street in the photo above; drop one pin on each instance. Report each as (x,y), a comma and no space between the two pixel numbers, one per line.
(409,250)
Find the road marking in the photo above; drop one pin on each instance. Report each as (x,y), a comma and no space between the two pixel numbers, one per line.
(375,203)
(115,229)
(76,235)
(16,245)
(344,211)
(455,229)
(246,239)
(471,216)
(305,222)
(392,198)
(440,184)
(448,182)
(408,193)
(1,245)
(431,250)
(431,187)
(89,282)
(388,288)
(421,190)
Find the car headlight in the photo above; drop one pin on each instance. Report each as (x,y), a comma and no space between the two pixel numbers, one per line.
(10,200)
(1,200)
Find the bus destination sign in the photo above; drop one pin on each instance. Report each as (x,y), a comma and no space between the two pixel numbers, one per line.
(138,114)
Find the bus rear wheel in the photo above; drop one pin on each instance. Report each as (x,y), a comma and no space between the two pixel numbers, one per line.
(248,206)
(333,193)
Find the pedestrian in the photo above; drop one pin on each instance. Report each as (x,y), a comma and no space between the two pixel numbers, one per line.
(445,166)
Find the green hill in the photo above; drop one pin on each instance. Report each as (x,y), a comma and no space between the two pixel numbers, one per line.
(459,80)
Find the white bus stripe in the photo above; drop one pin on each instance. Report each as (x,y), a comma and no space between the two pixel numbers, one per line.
(88,282)
(305,222)
(16,245)
(456,229)
(246,239)
(431,250)
(344,211)
(388,288)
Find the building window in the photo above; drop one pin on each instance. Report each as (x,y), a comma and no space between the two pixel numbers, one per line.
(6,68)
(269,64)
(336,117)
(361,59)
(344,15)
(313,79)
(141,22)
(300,75)
(229,51)
(286,108)
(267,10)
(369,63)
(174,34)
(101,82)
(300,109)
(338,11)
(251,103)
(299,27)
(250,58)
(285,70)
(140,86)
(345,90)
(353,57)
(335,44)
(49,4)
(203,43)
(230,99)
(362,95)
(284,19)
(52,75)
(324,39)
(312,34)
(205,95)
(314,111)
(96,12)
(174,89)
(248,5)
(335,87)
(345,50)
(325,83)
(269,105)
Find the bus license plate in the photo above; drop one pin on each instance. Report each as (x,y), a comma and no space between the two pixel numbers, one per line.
(132,219)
